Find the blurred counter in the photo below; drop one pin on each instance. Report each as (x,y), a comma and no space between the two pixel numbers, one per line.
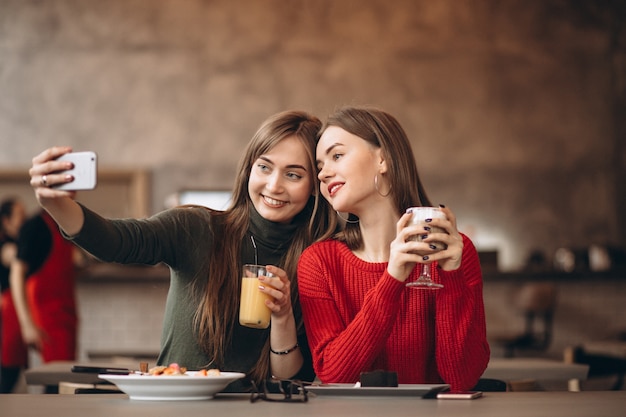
(102,271)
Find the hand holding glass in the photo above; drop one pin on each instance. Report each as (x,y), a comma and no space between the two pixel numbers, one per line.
(252,309)
(419,217)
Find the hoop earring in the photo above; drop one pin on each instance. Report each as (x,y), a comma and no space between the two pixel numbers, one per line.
(348,219)
(377,190)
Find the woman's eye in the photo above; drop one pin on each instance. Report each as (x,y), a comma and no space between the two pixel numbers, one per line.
(337,156)
(263,167)
(293,176)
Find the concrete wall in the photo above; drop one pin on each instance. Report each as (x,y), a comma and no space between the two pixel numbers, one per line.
(510,105)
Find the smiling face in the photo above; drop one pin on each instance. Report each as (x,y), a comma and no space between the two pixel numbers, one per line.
(281,181)
(347,166)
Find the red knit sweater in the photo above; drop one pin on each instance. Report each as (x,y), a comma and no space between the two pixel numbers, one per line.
(359,318)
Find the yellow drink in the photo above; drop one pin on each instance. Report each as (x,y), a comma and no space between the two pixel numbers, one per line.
(252,310)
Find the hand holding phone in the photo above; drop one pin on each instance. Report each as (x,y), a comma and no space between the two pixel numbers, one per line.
(84,171)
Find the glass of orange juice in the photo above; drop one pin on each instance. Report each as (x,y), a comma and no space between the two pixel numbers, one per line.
(252,309)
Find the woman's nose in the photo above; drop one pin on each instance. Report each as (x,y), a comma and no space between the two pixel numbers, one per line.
(324,173)
(274,183)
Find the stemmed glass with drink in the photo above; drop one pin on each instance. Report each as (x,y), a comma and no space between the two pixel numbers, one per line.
(420,215)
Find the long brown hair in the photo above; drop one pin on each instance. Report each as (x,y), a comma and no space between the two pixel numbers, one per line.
(219,293)
(382,131)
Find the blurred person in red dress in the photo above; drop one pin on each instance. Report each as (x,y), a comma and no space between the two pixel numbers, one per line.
(13,351)
(42,283)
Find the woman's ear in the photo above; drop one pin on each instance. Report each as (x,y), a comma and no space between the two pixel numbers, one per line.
(382,161)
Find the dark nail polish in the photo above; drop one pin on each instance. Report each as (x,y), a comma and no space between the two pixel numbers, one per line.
(442,205)
(428,220)
(424,236)
(425,257)
(433,247)
(426,228)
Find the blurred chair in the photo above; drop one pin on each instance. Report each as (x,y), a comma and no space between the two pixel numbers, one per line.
(600,366)
(536,301)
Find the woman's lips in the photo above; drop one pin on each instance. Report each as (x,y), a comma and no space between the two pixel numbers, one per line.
(334,187)
(273,202)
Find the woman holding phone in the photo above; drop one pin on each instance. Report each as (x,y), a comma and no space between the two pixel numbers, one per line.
(276,212)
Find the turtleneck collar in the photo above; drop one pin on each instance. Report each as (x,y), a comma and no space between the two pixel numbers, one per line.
(269,235)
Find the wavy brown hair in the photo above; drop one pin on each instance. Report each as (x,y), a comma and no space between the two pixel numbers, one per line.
(383,131)
(219,292)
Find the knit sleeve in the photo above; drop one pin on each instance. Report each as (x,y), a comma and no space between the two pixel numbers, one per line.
(462,350)
(340,349)
(171,236)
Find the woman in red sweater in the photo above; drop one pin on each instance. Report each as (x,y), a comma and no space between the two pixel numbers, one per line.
(359,314)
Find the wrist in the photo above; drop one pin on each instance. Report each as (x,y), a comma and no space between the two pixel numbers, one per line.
(285,351)
(284,320)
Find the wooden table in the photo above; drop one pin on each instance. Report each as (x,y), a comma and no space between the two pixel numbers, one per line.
(511,369)
(508,370)
(510,404)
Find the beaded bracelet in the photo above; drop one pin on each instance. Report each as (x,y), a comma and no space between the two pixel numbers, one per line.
(284,352)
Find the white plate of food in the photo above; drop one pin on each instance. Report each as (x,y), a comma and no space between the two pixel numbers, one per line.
(188,386)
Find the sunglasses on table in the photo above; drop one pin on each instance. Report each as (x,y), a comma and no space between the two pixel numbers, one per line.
(289,391)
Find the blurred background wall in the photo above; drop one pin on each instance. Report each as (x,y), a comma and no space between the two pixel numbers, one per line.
(515,108)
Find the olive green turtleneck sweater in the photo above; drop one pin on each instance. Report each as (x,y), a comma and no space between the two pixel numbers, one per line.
(182,238)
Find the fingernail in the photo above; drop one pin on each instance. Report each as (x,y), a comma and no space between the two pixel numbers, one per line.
(424,236)
(426,228)
(428,220)
(432,246)
(442,205)
(261,287)
(425,258)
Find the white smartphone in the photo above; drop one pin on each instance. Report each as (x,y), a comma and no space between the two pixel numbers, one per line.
(459,395)
(84,171)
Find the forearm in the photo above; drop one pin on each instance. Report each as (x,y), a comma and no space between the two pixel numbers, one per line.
(160,238)
(67,213)
(463,351)
(333,343)
(284,339)
(17,279)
